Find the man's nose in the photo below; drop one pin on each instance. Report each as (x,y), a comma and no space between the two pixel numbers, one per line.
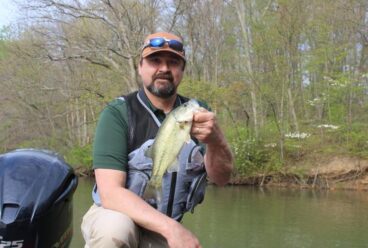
(164,66)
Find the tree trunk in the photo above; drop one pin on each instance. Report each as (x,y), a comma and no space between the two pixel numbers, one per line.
(292,111)
(247,36)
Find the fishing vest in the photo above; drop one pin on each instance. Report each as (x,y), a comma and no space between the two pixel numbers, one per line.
(181,190)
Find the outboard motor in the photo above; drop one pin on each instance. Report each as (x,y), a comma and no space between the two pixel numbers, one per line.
(36,189)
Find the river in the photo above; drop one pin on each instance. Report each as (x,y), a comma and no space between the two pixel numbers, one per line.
(239,216)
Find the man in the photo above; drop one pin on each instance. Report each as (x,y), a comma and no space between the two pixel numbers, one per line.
(120,216)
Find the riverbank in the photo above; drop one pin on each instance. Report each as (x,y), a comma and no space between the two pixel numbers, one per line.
(335,172)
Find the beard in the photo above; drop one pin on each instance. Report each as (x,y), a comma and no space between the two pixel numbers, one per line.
(164,90)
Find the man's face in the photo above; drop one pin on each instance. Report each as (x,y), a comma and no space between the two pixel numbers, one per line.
(161,73)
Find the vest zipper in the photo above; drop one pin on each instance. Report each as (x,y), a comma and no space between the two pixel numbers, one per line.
(170,202)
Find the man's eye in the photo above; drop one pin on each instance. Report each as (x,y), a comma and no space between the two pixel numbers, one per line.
(174,62)
(155,60)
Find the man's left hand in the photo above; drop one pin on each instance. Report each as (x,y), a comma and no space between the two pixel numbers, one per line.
(205,128)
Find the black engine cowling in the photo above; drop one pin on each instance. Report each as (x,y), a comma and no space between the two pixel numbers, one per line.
(36,190)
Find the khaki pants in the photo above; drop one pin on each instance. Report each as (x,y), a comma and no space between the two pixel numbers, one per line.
(104,228)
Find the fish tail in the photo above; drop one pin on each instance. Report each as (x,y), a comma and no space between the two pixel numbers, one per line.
(158,194)
(153,191)
(155,182)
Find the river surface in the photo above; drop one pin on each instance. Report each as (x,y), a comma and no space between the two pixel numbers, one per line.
(239,216)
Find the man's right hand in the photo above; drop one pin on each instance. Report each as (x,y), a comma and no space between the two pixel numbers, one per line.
(179,237)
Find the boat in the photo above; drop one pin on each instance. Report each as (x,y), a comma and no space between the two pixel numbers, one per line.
(36,199)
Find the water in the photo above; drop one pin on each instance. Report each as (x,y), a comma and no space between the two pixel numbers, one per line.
(236,216)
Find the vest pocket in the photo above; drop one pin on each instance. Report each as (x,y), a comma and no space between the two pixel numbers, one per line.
(137,181)
(195,160)
(195,169)
(138,159)
(196,191)
(139,169)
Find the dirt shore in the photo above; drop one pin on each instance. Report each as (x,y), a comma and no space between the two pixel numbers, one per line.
(336,172)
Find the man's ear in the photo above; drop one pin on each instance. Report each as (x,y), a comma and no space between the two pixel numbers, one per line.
(140,66)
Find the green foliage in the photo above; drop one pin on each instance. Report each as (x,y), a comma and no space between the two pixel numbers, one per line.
(255,69)
(295,149)
(356,139)
(42,142)
(75,156)
(80,156)
(250,154)
(200,90)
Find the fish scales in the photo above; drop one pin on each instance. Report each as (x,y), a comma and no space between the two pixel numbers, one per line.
(173,133)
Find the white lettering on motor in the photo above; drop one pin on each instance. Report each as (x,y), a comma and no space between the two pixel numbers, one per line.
(11,243)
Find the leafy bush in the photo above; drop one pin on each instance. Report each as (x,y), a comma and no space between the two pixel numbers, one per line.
(80,156)
(250,155)
(356,139)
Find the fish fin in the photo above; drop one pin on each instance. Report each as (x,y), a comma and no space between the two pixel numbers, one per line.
(188,139)
(156,182)
(158,194)
(153,192)
(201,109)
(174,167)
(149,192)
(148,153)
(181,124)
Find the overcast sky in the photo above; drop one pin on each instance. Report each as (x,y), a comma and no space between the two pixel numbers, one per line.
(8,12)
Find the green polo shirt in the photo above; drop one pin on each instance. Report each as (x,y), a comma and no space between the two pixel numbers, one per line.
(110,147)
(110,143)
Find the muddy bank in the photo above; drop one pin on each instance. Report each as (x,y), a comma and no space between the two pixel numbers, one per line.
(326,173)
(336,172)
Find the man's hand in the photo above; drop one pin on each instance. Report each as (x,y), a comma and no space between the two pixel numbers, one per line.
(179,237)
(218,158)
(205,127)
(115,197)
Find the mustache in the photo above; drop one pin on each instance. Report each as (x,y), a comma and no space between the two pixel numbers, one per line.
(166,75)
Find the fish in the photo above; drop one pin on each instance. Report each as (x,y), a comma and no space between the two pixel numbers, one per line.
(173,133)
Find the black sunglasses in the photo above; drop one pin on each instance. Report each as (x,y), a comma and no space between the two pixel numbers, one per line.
(160,42)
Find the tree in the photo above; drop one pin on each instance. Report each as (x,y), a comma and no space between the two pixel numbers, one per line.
(107,33)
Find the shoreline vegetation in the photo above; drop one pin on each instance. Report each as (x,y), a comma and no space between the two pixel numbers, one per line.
(345,173)
(287,80)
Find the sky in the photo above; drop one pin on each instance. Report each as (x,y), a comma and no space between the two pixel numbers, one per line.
(8,12)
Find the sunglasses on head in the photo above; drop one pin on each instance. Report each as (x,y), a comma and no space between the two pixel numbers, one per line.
(160,42)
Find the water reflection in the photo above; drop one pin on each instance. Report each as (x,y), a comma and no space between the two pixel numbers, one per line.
(82,200)
(250,217)
(233,217)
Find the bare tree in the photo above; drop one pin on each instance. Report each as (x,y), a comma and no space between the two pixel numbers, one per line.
(106,33)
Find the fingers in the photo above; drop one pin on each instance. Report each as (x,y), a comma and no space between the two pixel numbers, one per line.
(203,133)
(201,109)
(205,128)
(182,238)
(203,116)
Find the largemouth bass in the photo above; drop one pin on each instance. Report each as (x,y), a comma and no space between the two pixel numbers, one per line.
(171,136)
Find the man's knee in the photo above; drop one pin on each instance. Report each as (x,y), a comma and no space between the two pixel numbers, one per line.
(107,228)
